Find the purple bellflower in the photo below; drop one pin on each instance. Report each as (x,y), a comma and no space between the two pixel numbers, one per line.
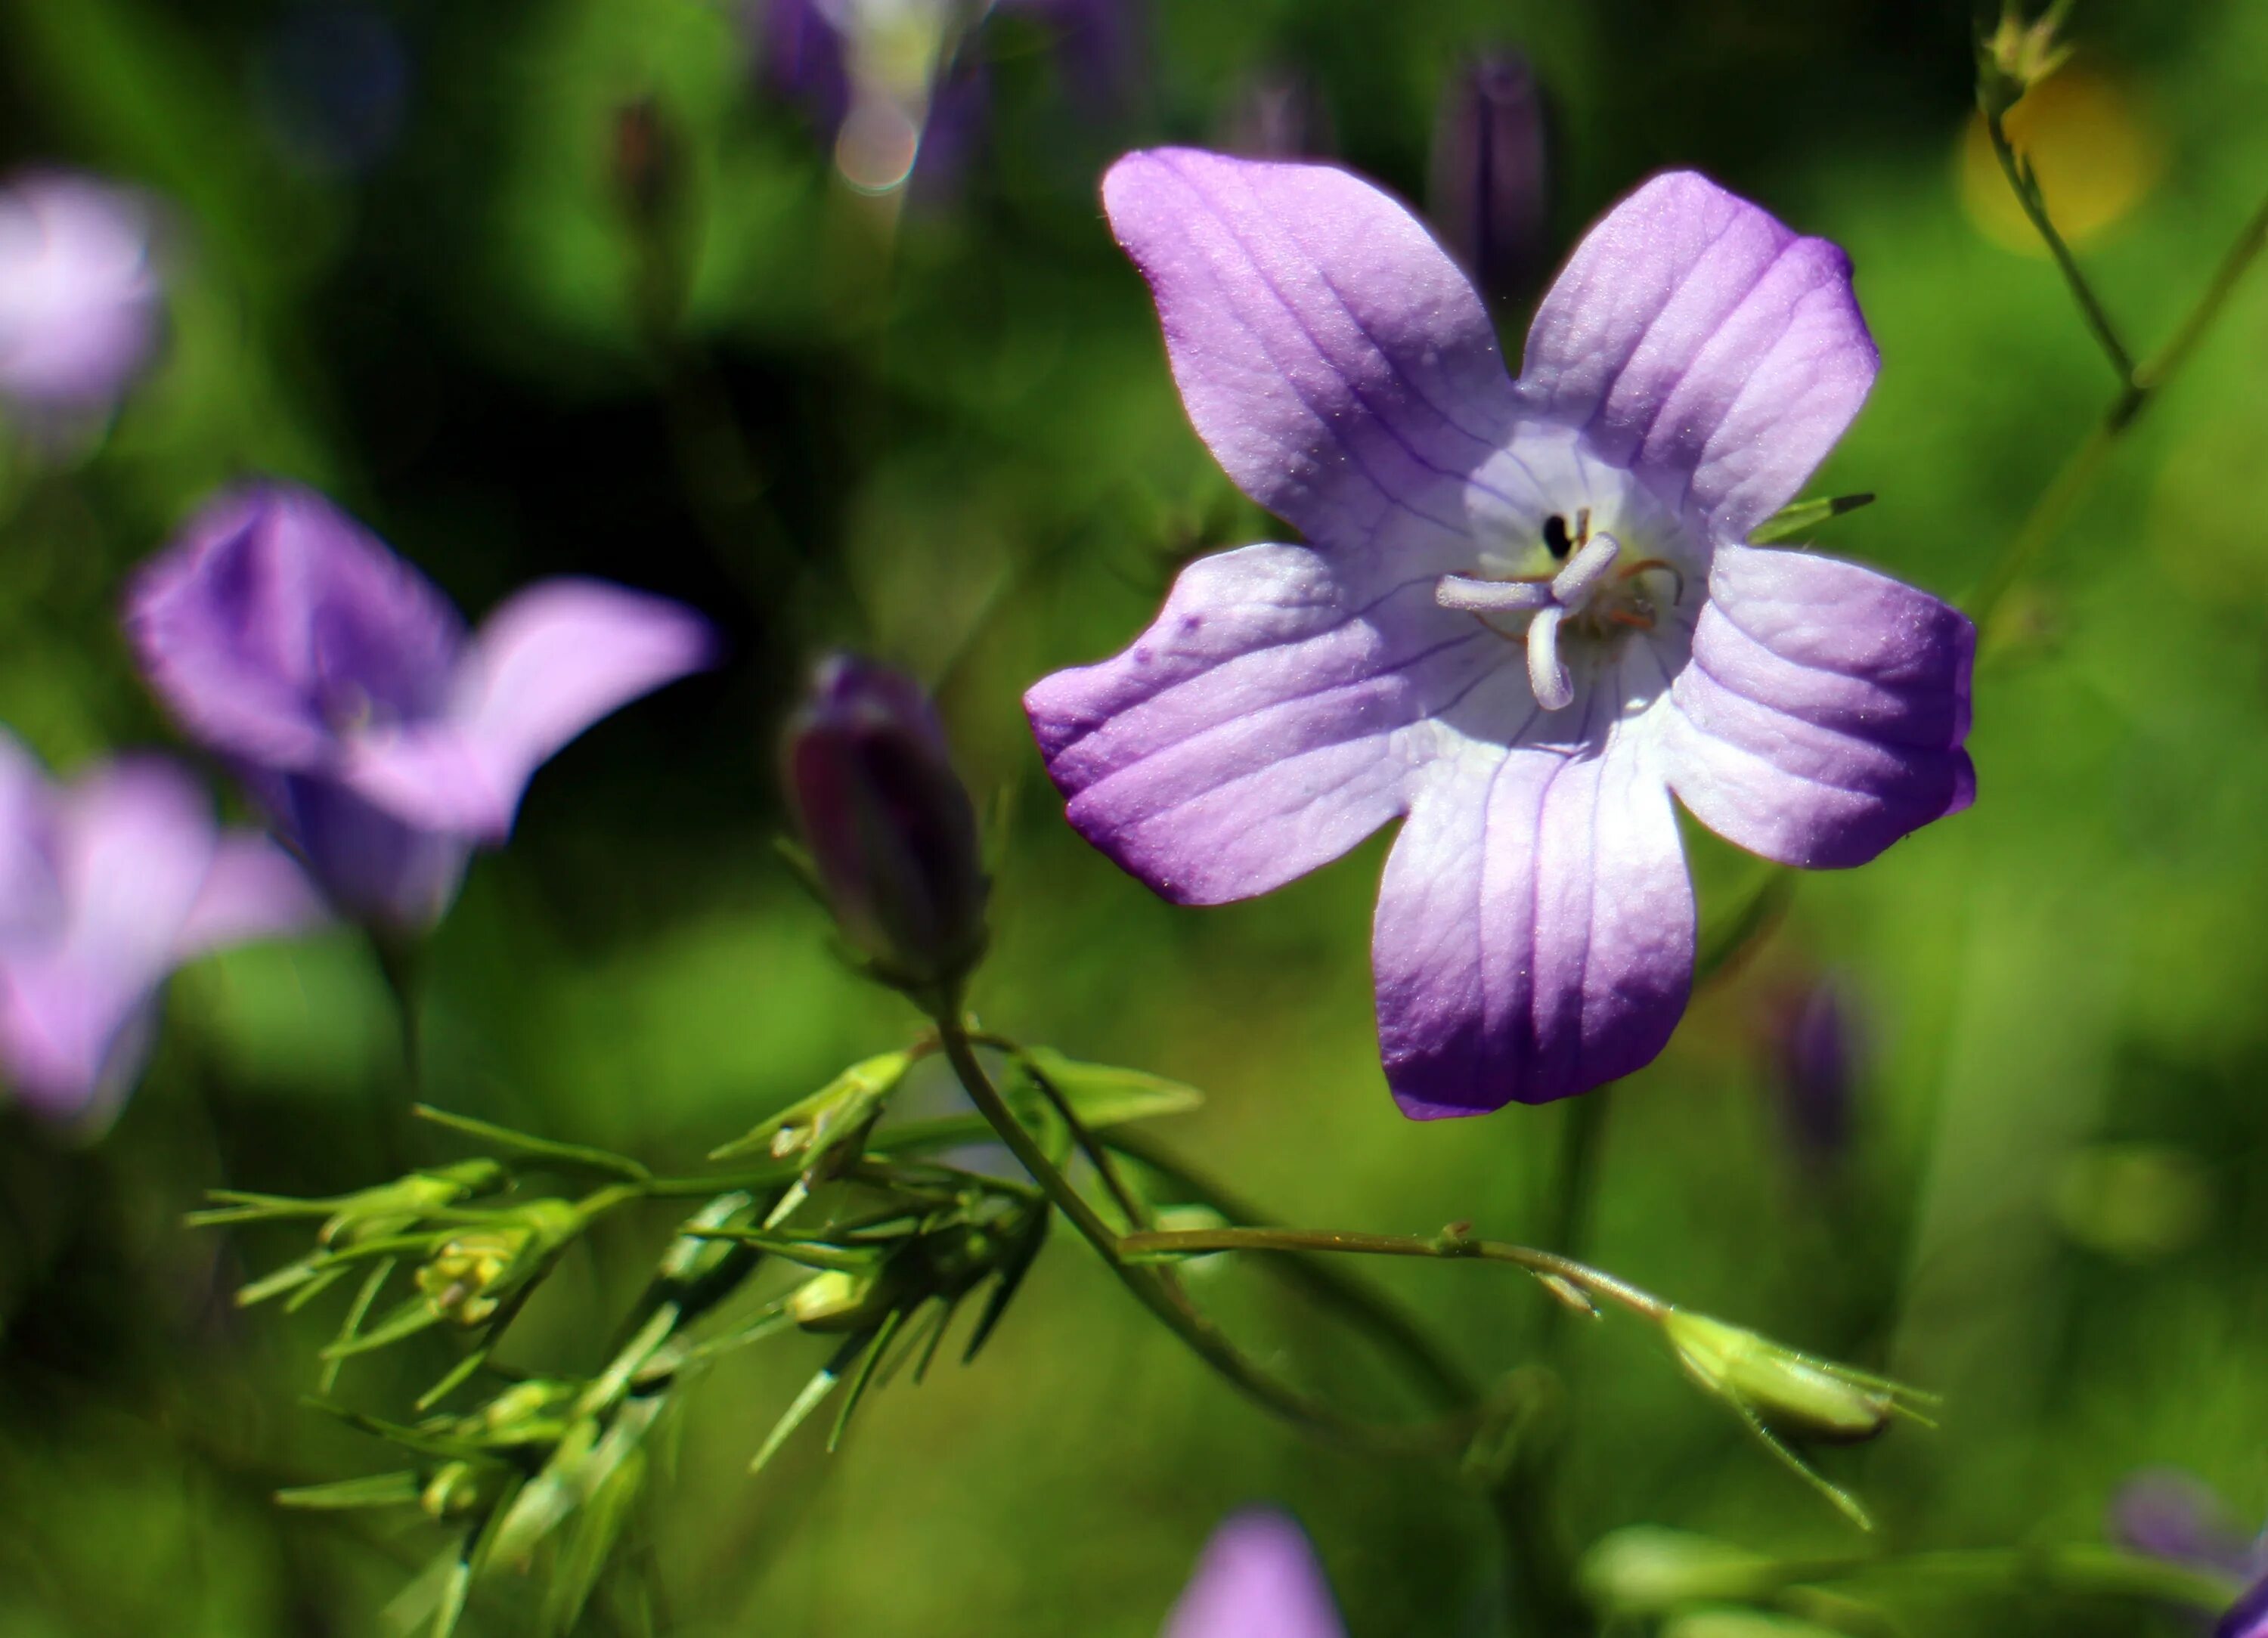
(106,885)
(1527,613)
(1258,1578)
(384,740)
(2172,1515)
(80,295)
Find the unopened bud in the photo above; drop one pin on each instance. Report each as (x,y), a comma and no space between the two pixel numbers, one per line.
(378,1213)
(1792,1394)
(455,1489)
(891,829)
(645,159)
(1647,1570)
(1815,1048)
(837,1300)
(2017,55)
(1489,187)
(829,1120)
(1279,114)
(467,1279)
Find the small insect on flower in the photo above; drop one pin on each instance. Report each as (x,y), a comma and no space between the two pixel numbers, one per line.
(1527,614)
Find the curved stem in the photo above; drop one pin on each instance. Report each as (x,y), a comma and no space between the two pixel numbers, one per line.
(1154,1289)
(1447,1247)
(1449,1383)
(2027,189)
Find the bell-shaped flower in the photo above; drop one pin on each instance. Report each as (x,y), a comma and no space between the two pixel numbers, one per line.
(1527,613)
(385,741)
(106,885)
(80,295)
(1258,1578)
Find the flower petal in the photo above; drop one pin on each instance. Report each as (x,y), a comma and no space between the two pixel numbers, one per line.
(275,619)
(1534,930)
(133,844)
(1258,730)
(253,890)
(1330,355)
(1258,1578)
(1694,333)
(547,664)
(370,865)
(1822,716)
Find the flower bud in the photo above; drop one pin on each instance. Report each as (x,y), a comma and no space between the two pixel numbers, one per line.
(1789,1393)
(1279,114)
(1815,1048)
(2017,55)
(1489,187)
(837,1300)
(827,1129)
(375,1214)
(455,1488)
(1646,1570)
(890,827)
(645,160)
(467,1279)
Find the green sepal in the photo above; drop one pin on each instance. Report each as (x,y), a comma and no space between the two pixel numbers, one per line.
(1804,517)
(1103,1095)
(394,1489)
(812,1130)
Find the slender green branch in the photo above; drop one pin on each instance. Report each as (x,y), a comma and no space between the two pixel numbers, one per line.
(1153,1288)
(1448,1382)
(1447,1247)
(2139,386)
(1097,1156)
(2026,186)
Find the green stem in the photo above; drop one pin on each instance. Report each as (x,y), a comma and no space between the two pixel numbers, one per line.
(1097,1156)
(2139,386)
(2027,189)
(1155,1289)
(1447,1248)
(1449,1383)
(2076,1570)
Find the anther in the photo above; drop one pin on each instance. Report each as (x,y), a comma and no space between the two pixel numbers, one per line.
(1585,570)
(1491,597)
(1546,675)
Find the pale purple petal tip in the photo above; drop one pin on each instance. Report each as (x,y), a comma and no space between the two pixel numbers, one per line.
(2248,1618)
(1258,1578)
(1824,713)
(1693,335)
(1328,352)
(1534,932)
(2173,1514)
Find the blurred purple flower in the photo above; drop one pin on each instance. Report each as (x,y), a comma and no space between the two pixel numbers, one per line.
(106,885)
(80,294)
(385,742)
(1279,114)
(892,833)
(1815,1048)
(2172,1515)
(890,85)
(1528,614)
(1488,189)
(1258,1578)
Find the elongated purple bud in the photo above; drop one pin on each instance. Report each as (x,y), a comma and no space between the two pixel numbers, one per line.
(1817,1049)
(1279,114)
(890,827)
(1489,187)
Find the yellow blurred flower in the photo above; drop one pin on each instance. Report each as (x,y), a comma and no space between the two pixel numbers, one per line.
(2095,154)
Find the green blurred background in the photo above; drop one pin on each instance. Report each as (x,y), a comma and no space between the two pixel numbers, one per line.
(951,441)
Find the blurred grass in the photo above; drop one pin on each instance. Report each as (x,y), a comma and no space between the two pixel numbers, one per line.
(968,456)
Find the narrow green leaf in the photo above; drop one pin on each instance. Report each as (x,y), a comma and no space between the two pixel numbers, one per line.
(807,1128)
(410,1317)
(395,1489)
(1804,516)
(859,1383)
(1102,1095)
(351,1325)
(815,1392)
(572,1156)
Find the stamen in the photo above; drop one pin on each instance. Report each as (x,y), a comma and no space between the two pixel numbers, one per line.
(1546,675)
(1585,570)
(1663,564)
(1491,597)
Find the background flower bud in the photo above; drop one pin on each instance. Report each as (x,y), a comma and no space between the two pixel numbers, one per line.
(1488,188)
(1788,1393)
(890,827)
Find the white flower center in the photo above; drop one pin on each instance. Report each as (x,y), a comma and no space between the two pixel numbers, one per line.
(1597,594)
